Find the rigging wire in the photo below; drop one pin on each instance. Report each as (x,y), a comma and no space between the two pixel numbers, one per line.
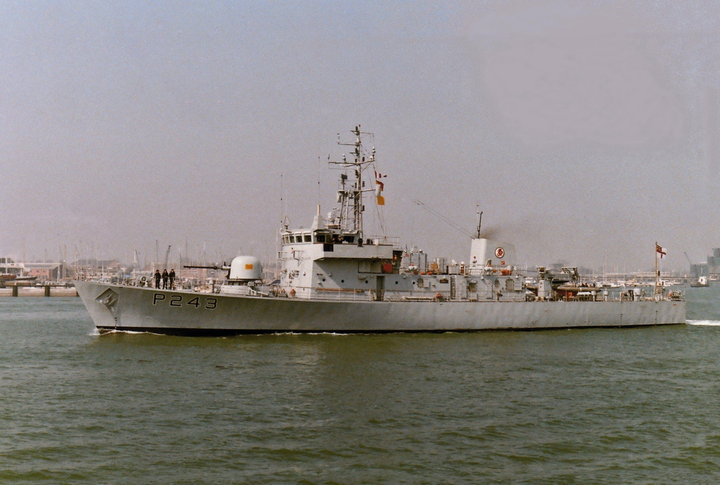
(444,218)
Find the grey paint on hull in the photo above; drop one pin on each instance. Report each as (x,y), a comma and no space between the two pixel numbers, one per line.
(181,312)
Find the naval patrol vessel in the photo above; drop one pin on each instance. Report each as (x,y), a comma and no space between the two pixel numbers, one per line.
(333,277)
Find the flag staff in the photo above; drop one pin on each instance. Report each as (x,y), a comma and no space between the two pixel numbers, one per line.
(656,268)
(661,251)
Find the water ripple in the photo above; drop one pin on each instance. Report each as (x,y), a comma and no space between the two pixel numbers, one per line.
(576,406)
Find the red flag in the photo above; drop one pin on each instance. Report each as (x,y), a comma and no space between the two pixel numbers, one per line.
(378,176)
(660,250)
(379,187)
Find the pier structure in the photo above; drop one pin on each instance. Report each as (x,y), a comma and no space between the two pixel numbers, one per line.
(45,291)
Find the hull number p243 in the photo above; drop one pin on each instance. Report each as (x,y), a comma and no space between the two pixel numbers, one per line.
(178,301)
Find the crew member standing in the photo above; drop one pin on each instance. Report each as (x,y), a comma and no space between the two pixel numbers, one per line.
(157,278)
(172,279)
(165,278)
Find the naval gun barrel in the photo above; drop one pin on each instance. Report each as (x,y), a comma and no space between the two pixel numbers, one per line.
(224,267)
(206,267)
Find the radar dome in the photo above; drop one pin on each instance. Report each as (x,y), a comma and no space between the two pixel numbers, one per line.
(245,268)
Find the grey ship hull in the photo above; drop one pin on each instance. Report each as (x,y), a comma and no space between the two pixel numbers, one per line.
(130,308)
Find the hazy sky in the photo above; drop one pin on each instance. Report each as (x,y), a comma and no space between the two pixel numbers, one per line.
(586,131)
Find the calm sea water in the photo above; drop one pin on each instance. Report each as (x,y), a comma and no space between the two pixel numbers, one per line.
(574,406)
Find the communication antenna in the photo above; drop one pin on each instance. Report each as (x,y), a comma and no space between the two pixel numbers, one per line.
(318,180)
(479,213)
(282,207)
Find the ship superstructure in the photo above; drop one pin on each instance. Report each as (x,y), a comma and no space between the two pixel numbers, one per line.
(334,259)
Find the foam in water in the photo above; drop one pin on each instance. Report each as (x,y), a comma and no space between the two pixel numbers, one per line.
(97,333)
(708,323)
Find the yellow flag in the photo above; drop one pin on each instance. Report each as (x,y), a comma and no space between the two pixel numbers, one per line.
(380,200)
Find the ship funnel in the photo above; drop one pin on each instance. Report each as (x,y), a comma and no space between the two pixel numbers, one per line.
(487,252)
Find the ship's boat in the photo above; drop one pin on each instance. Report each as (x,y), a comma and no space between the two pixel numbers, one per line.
(333,277)
(702,282)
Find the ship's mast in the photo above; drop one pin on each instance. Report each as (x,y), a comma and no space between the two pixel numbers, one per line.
(350,194)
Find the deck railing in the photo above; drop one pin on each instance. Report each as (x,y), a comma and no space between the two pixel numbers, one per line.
(351,294)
